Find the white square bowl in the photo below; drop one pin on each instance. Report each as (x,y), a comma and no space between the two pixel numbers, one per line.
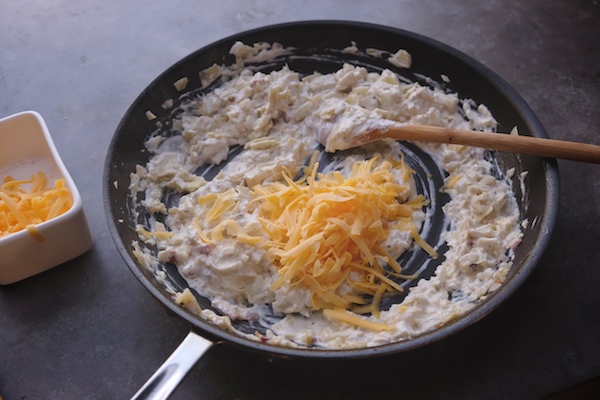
(26,148)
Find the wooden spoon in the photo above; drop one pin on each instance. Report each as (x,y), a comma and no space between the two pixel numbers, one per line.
(377,130)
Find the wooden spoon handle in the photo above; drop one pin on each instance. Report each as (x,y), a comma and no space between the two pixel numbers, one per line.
(497,141)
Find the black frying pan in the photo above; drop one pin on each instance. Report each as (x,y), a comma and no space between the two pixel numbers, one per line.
(318,46)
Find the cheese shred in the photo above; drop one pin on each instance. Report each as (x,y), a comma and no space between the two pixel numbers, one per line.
(27,203)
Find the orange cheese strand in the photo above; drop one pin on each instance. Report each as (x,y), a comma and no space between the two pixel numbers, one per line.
(352,319)
(326,231)
(22,208)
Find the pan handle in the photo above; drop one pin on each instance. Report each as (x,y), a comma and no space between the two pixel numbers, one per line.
(173,370)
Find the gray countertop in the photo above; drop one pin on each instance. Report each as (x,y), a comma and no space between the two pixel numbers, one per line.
(88,330)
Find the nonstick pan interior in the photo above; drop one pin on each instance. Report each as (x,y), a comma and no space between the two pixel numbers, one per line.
(317,46)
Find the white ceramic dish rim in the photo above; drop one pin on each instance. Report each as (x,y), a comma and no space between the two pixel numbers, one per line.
(77,201)
(64,237)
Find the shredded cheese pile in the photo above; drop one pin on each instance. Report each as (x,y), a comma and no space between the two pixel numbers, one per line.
(326,232)
(23,209)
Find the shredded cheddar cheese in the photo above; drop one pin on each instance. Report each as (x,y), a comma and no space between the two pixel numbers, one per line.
(23,209)
(32,230)
(326,231)
(353,319)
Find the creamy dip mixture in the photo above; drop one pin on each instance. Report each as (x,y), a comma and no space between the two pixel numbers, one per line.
(217,237)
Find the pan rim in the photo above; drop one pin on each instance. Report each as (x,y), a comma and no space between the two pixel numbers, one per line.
(205,328)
